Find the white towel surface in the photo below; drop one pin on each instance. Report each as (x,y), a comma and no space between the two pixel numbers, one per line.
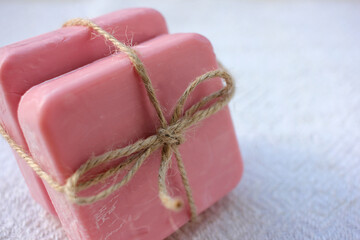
(296,113)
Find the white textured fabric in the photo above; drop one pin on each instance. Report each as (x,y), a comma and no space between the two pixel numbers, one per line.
(296,113)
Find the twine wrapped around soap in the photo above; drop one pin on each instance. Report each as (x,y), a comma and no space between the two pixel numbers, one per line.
(168,137)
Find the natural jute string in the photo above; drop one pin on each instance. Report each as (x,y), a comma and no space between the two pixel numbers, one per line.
(169,136)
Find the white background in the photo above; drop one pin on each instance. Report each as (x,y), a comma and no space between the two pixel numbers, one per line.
(296,112)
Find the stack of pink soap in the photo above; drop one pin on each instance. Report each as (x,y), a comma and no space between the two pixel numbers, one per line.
(103,105)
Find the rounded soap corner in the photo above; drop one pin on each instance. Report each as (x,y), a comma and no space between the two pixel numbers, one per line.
(160,18)
(154,11)
(39,107)
(201,39)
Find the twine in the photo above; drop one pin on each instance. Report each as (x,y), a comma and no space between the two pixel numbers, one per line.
(169,136)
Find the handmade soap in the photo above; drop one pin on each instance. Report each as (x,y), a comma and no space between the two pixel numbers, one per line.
(103,106)
(30,62)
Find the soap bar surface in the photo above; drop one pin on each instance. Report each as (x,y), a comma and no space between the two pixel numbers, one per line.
(33,61)
(104,106)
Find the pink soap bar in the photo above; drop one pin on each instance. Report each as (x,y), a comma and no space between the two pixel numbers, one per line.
(104,106)
(30,62)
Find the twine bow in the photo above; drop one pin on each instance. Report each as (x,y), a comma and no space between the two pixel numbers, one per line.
(168,137)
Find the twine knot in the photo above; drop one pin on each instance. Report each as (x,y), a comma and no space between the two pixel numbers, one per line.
(168,137)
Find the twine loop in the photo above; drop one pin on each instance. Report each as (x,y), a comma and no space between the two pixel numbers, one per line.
(169,136)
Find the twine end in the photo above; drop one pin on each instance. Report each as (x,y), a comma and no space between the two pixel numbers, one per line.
(174,204)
